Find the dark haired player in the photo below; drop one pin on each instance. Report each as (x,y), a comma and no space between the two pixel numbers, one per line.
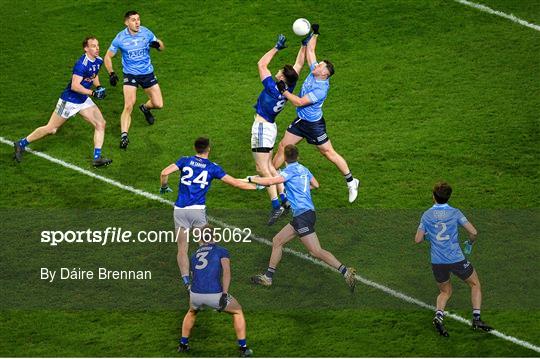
(135,42)
(310,123)
(196,175)
(439,225)
(298,182)
(264,130)
(211,268)
(76,99)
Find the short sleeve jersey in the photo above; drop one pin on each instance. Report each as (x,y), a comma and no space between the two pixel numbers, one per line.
(207,270)
(270,101)
(88,70)
(297,186)
(441,224)
(135,50)
(196,175)
(316,90)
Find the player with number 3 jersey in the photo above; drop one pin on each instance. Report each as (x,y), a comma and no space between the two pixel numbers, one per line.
(196,175)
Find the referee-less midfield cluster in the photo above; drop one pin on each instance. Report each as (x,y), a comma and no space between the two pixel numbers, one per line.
(288,189)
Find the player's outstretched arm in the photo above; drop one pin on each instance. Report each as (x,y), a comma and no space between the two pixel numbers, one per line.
(300,59)
(77,87)
(164,178)
(419,236)
(310,49)
(264,61)
(266,181)
(295,100)
(235,182)
(107,61)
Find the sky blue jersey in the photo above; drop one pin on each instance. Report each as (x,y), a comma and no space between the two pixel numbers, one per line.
(270,101)
(207,270)
(135,50)
(297,179)
(196,175)
(317,90)
(441,223)
(88,70)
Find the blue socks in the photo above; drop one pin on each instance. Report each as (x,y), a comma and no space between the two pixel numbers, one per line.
(275,203)
(97,153)
(283,197)
(242,342)
(184,340)
(342,269)
(23,142)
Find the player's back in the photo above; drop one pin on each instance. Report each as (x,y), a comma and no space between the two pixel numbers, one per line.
(196,175)
(441,225)
(297,184)
(207,269)
(270,102)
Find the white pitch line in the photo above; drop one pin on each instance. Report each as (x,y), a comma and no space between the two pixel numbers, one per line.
(489,10)
(383,288)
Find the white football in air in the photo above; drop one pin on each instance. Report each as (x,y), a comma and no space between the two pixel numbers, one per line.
(301,27)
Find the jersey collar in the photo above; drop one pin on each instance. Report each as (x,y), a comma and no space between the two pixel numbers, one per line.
(443,205)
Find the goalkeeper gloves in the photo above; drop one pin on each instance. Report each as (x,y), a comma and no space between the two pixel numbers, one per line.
(99,93)
(223,301)
(280,44)
(113,78)
(165,189)
(467,248)
(155,45)
(315,28)
(306,39)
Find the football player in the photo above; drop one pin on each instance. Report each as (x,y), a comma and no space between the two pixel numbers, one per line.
(196,175)
(298,182)
(211,270)
(310,123)
(264,130)
(439,225)
(135,42)
(75,99)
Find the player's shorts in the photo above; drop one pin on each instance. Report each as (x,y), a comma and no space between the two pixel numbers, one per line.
(263,136)
(304,223)
(462,270)
(313,132)
(145,81)
(66,109)
(199,300)
(190,217)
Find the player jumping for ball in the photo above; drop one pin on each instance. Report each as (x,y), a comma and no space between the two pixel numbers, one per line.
(298,182)
(264,130)
(76,99)
(310,123)
(439,225)
(211,268)
(135,42)
(196,175)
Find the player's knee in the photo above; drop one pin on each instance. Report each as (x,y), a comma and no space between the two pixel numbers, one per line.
(51,130)
(100,125)
(128,107)
(328,152)
(317,253)
(158,104)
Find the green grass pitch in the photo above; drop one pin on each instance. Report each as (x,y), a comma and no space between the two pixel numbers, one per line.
(423,91)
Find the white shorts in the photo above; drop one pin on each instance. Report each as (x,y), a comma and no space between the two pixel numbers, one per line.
(199,300)
(190,217)
(66,109)
(263,136)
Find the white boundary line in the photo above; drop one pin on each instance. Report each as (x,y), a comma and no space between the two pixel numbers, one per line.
(489,10)
(363,280)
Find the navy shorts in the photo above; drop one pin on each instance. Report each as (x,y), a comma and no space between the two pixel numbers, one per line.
(313,132)
(462,270)
(304,223)
(145,81)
